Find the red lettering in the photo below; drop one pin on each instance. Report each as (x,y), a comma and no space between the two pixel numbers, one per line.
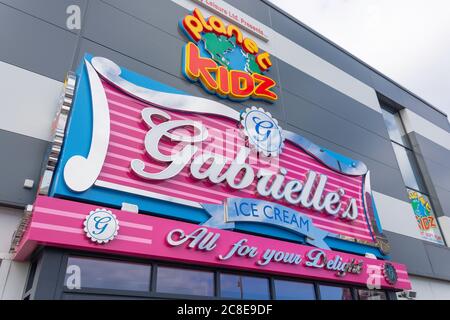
(263,85)
(241,84)
(197,67)
(263,61)
(223,82)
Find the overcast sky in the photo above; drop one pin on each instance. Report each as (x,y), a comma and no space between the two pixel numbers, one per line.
(407,40)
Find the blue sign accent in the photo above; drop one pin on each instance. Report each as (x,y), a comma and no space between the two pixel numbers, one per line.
(258,211)
(263,131)
(101,223)
(262,128)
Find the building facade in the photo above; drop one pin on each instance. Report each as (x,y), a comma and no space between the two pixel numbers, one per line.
(347,197)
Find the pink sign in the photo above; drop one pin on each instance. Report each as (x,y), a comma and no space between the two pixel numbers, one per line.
(128,132)
(61,223)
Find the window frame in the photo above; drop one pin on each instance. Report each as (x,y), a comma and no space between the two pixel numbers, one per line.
(128,262)
(152,294)
(192,268)
(314,285)
(352,290)
(252,275)
(408,146)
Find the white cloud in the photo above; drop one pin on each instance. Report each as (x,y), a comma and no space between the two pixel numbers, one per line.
(407,40)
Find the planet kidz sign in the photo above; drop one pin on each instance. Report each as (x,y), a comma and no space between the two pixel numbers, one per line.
(223,61)
(140,168)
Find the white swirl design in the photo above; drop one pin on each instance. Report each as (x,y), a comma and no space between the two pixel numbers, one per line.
(80,173)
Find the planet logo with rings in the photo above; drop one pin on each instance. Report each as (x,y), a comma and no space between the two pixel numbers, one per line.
(262,131)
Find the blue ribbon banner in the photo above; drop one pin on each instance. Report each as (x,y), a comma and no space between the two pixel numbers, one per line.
(253,210)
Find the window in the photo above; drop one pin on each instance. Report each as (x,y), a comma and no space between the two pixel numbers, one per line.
(403,150)
(371,295)
(104,278)
(335,293)
(244,287)
(185,281)
(409,169)
(395,126)
(106,274)
(293,290)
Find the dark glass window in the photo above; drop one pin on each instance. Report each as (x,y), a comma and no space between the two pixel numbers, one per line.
(371,295)
(293,290)
(335,293)
(403,150)
(244,287)
(185,281)
(408,167)
(395,127)
(107,274)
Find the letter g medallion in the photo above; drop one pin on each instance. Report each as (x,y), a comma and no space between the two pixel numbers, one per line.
(101,226)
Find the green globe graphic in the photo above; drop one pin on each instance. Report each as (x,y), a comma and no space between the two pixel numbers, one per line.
(227,53)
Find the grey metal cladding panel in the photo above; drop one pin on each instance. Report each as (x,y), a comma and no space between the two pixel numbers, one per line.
(435,167)
(384,179)
(305,38)
(87,46)
(443,196)
(180,83)
(310,117)
(411,252)
(406,100)
(430,149)
(439,175)
(275,72)
(303,85)
(134,38)
(437,203)
(142,38)
(429,183)
(166,14)
(35,45)
(440,259)
(22,159)
(425,111)
(254,8)
(48,272)
(162,14)
(53,11)
(435,173)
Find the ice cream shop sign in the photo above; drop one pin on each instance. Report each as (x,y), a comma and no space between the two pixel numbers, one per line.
(143,169)
(179,156)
